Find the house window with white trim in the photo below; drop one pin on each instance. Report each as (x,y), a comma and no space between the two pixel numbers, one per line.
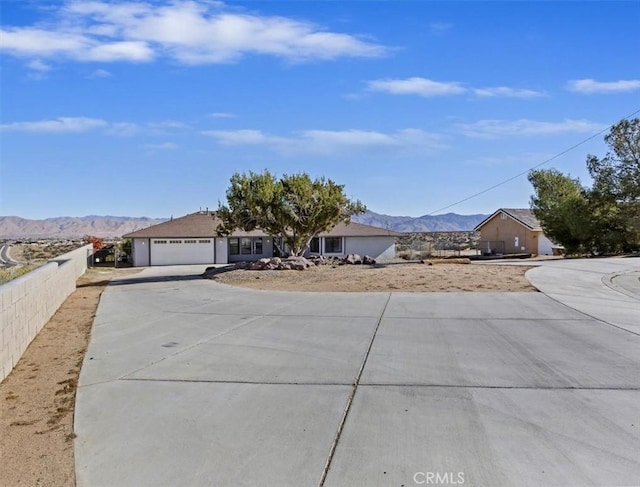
(314,245)
(245,246)
(257,245)
(234,246)
(333,245)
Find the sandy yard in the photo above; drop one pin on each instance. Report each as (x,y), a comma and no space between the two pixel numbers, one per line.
(37,399)
(409,277)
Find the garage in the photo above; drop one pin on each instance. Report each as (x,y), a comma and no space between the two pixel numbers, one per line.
(165,251)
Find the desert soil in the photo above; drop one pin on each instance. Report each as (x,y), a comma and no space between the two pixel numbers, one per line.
(37,399)
(441,276)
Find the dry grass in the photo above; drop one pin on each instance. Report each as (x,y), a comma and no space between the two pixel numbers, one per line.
(443,277)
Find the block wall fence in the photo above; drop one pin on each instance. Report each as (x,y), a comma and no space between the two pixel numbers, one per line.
(27,303)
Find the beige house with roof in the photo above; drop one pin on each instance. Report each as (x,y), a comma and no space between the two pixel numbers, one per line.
(192,239)
(513,231)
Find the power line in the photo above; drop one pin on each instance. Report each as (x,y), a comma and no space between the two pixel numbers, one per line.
(531,168)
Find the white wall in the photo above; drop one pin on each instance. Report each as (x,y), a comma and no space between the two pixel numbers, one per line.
(545,246)
(222,250)
(377,247)
(27,303)
(140,252)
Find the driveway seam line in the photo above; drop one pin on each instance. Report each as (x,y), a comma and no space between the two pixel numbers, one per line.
(354,389)
(599,320)
(375,384)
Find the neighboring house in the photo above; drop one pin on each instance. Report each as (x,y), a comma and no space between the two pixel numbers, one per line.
(513,231)
(192,239)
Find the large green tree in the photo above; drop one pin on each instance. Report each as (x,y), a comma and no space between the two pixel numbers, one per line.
(294,207)
(560,203)
(616,185)
(605,217)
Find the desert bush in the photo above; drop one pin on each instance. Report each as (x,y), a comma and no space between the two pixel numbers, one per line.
(10,273)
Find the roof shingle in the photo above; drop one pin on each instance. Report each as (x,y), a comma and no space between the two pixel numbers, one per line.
(204,224)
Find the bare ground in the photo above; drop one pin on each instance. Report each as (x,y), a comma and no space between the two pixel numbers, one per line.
(37,399)
(442,276)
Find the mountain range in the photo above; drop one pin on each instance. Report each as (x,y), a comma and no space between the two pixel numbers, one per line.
(13,227)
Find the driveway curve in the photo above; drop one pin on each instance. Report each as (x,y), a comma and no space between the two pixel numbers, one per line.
(189,382)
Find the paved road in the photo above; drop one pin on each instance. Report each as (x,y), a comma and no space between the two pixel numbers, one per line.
(5,256)
(188,382)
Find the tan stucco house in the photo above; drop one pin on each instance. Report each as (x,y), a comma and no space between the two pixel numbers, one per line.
(513,231)
(192,239)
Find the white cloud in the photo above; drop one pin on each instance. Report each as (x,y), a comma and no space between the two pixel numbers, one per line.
(99,74)
(123,129)
(439,28)
(505,91)
(327,142)
(118,51)
(495,129)
(246,137)
(417,86)
(187,31)
(167,124)
(59,125)
(38,65)
(429,88)
(162,146)
(221,115)
(590,86)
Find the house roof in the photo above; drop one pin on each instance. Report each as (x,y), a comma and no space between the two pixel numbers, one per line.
(204,224)
(524,216)
(200,224)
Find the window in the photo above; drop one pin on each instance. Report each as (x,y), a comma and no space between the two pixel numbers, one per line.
(257,245)
(234,246)
(204,241)
(175,241)
(503,216)
(333,245)
(314,246)
(245,246)
(190,241)
(159,241)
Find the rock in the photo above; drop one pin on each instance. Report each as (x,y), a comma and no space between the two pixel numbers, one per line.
(353,259)
(260,264)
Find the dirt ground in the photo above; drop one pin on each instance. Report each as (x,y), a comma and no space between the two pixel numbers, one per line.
(37,399)
(441,276)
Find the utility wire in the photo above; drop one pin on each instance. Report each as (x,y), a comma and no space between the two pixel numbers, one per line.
(501,183)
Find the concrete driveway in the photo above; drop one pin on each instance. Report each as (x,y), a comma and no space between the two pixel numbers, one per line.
(189,382)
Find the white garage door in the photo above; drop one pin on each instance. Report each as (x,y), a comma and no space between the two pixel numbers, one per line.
(182,251)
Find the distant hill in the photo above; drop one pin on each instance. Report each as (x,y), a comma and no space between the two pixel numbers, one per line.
(73,227)
(449,222)
(13,227)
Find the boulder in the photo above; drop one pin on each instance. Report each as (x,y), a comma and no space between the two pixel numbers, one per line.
(353,259)
(260,264)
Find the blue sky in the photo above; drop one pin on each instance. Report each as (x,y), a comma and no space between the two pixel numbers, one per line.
(148,108)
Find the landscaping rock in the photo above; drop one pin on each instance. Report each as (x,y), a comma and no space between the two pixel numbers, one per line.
(353,259)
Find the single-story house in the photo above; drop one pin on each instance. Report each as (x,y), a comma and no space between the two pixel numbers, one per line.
(192,239)
(513,231)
